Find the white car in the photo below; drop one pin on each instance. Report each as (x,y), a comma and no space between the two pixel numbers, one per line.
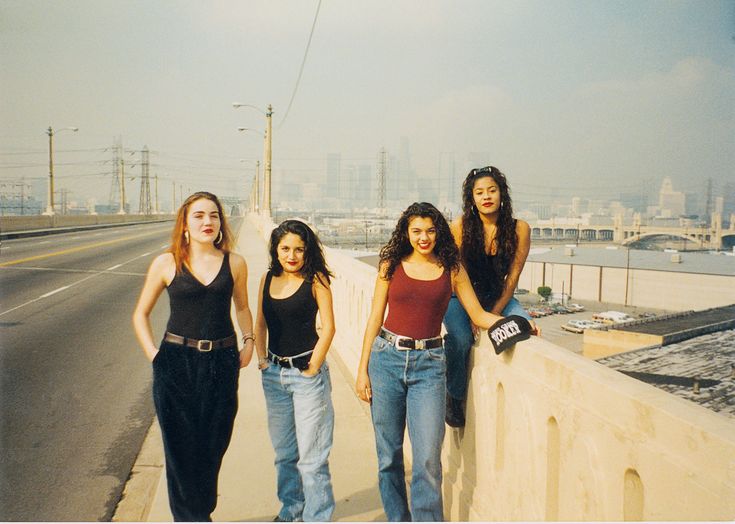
(576,308)
(578,326)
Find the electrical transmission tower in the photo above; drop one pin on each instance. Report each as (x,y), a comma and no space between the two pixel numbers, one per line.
(381,181)
(114,200)
(144,208)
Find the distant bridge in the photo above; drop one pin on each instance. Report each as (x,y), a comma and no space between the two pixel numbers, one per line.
(704,237)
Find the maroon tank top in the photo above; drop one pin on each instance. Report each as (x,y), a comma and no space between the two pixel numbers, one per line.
(416,307)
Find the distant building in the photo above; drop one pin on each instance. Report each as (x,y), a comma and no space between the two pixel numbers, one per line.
(672,203)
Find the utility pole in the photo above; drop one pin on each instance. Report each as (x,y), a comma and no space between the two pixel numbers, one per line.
(50,207)
(381,181)
(256,208)
(268,155)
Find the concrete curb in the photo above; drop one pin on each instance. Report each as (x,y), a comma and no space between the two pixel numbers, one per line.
(140,489)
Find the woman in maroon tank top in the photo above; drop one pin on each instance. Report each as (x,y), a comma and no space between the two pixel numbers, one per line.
(402,368)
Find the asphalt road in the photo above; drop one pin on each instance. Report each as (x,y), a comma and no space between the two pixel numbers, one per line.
(75,386)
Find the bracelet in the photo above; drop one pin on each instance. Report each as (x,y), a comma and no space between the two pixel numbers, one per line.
(262,361)
(248,336)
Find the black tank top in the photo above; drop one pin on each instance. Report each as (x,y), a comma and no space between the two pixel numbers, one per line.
(199,311)
(291,321)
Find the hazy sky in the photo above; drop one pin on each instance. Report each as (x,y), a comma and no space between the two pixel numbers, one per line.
(586,94)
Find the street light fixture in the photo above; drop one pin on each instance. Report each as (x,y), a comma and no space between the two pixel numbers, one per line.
(251,129)
(268,137)
(50,132)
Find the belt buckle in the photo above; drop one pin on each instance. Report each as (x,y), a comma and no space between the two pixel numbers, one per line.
(204,345)
(397,343)
(419,343)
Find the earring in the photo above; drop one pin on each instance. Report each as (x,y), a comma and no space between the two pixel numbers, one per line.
(219,237)
(186,237)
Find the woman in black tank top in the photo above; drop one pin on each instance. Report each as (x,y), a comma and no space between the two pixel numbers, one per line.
(295,375)
(196,367)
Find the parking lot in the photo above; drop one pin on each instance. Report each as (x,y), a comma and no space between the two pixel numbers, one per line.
(551,325)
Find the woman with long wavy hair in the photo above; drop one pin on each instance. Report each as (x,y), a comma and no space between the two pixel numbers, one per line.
(196,367)
(295,374)
(402,370)
(493,246)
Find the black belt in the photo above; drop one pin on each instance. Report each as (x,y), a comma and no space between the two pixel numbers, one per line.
(201,345)
(300,361)
(401,342)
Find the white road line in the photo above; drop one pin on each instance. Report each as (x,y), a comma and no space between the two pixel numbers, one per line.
(164,246)
(113,267)
(145,254)
(62,288)
(45,242)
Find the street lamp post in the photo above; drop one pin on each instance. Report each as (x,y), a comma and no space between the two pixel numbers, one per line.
(267,153)
(50,132)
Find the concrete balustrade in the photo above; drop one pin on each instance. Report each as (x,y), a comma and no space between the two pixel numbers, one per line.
(551,435)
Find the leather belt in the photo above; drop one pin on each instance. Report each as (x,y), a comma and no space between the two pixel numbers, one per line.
(291,362)
(401,342)
(201,345)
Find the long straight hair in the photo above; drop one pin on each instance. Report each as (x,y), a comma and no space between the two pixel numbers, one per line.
(179,243)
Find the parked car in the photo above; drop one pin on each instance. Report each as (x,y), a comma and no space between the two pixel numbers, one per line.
(520,291)
(560,308)
(612,317)
(536,312)
(575,308)
(578,326)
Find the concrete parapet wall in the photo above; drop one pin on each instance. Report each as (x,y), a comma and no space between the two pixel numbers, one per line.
(668,290)
(25,223)
(551,435)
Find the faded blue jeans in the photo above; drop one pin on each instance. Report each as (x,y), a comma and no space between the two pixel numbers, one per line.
(408,386)
(459,339)
(301,426)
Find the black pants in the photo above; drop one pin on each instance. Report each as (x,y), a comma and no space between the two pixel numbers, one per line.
(195,394)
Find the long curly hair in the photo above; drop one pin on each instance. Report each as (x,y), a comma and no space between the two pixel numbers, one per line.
(180,243)
(473,235)
(314,263)
(399,246)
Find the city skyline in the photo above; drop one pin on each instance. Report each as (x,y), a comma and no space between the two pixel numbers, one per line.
(563,96)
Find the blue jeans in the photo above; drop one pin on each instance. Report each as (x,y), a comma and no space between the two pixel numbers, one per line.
(459,339)
(301,425)
(408,386)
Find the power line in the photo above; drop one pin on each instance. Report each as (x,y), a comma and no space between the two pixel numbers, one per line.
(301,69)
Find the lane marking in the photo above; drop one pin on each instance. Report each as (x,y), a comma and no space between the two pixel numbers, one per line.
(45,242)
(69,270)
(76,249)
(62,288)
(145,254)
(113,267)
(73,283)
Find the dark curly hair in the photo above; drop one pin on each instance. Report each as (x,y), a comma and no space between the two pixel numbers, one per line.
(473,236)
(314,263)
(399,247)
